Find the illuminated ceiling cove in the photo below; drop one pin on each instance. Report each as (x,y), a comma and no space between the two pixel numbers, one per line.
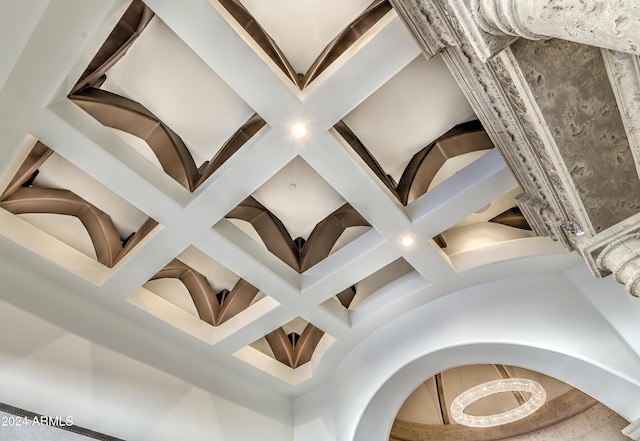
(160,169)
(272,182)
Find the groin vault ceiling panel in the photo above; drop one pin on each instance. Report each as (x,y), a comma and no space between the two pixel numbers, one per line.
(260,187)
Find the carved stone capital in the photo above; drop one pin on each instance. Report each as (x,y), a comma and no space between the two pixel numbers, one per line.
(622,258)
(500,17)
(491,25)
(483,26)
(616,251)
(428,23)
(633,430)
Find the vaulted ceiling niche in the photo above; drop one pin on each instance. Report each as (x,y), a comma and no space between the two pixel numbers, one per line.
(292,344)
(376,286)
(84,222)
(201,297)
(291,352)
(272,33)
(493,233)
(158,96)
(394,129)
(298,217)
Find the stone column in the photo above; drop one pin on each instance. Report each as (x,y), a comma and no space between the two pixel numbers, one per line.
(624,74)
(622,257)
(616,251)
(563,114)
(611,24)
(633,430)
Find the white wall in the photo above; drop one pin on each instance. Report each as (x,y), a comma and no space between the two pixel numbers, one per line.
(48,370)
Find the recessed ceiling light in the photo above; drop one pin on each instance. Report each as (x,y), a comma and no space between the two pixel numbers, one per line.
(408,241)
(299,130)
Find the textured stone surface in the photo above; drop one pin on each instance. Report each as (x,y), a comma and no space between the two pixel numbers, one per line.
(624,75)
(612,24)
(571,88)
(596,423)
(560,409)
(622,257)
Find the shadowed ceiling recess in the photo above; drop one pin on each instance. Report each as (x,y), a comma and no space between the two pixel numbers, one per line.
(127,115)
(22,196)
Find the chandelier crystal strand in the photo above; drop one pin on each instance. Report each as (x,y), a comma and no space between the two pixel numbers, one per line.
(535,401)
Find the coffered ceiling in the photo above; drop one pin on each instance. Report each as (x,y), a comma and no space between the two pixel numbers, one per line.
(172,191)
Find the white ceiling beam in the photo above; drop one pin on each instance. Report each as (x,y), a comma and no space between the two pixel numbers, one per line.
(40,74)
(480,183)
(72,132)
(356,185)
(253,331)
(429,262)
(251,261)
(241,64)
(348,266)
(473,187)
(380,54)
(42,67)
(19,19)
(143,262)
(243,173)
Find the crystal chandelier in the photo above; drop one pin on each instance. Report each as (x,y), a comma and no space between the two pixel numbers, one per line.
(535,401)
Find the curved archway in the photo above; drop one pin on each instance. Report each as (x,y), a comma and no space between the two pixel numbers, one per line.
(377,417)
(527,321)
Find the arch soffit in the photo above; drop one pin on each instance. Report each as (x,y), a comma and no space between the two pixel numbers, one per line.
(368,400)
(374,420)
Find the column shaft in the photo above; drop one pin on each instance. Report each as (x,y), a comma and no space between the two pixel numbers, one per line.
(612,24)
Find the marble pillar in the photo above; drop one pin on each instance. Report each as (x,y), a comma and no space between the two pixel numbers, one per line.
(616,251)
(612,24)
(556,84)
(624,75)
